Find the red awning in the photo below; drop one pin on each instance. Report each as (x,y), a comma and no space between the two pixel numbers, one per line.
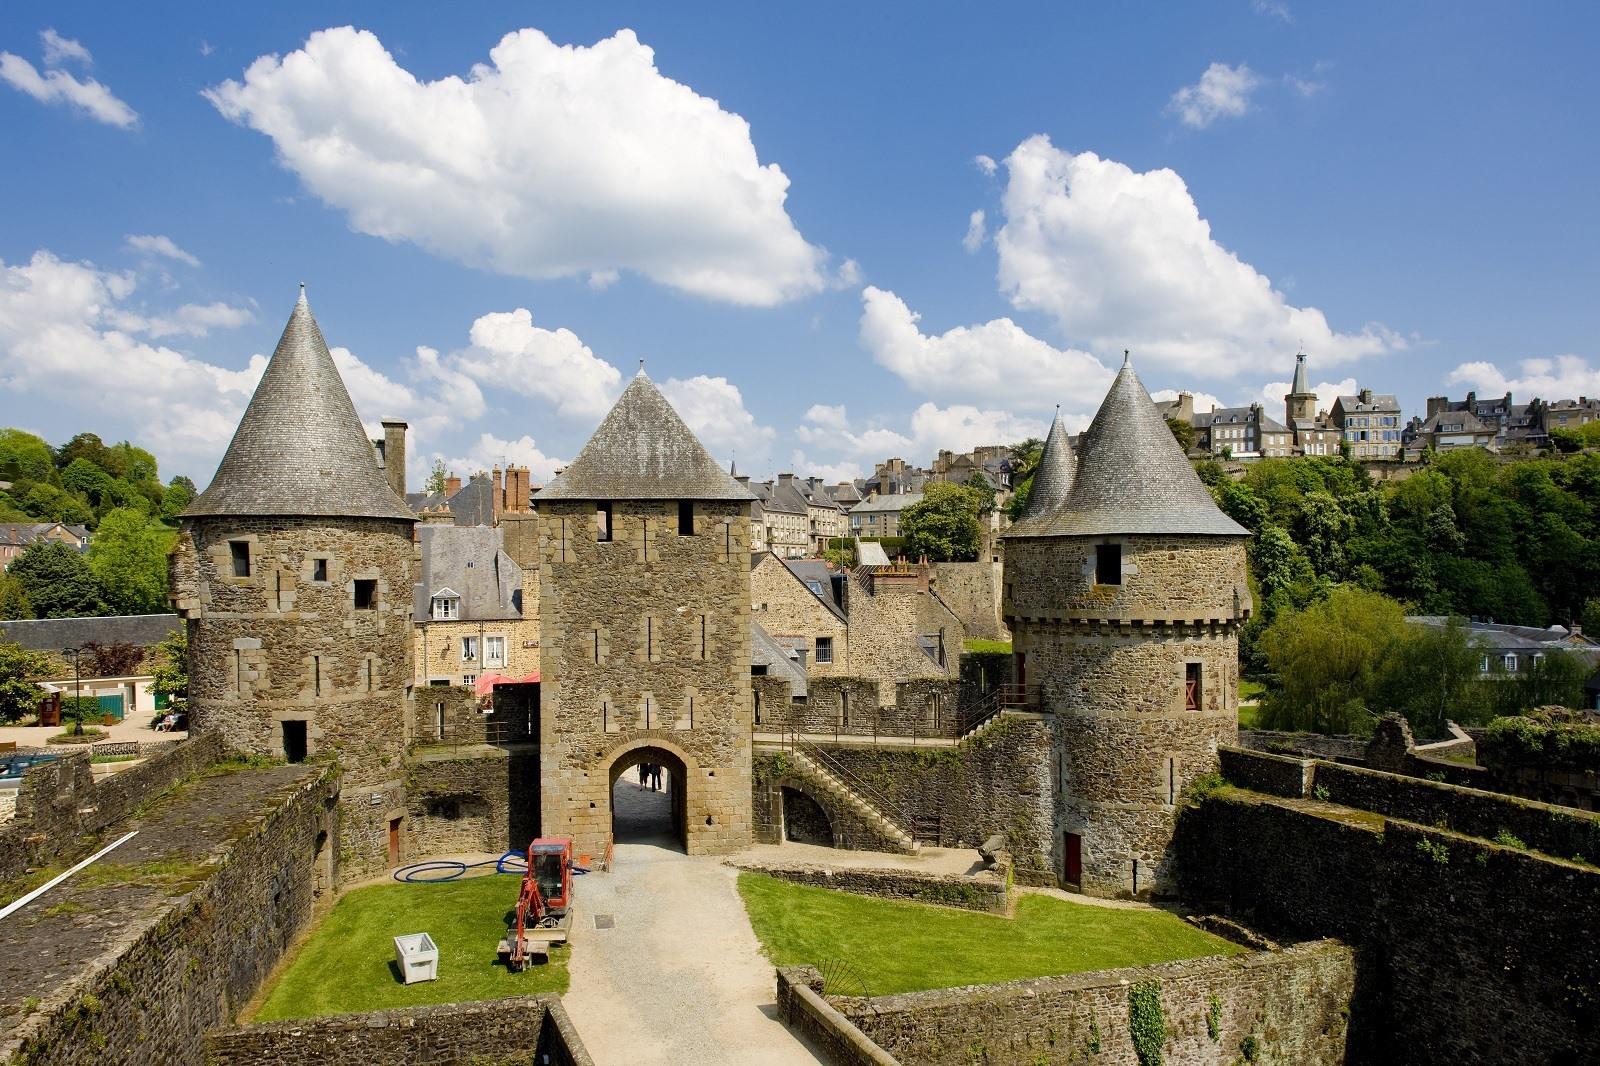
(486,683)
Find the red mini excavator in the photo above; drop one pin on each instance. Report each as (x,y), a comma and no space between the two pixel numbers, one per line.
(544,904)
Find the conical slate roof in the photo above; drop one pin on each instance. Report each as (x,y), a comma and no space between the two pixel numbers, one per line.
(1132,476)
(300,449)
(644,451)
(1052,481)
(1299,388)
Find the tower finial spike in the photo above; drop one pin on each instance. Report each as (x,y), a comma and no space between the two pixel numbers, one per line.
(1126,358)
(302,298)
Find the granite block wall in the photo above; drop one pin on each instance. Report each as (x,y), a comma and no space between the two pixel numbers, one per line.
(472,799)
(1290,1007)
(803,1008)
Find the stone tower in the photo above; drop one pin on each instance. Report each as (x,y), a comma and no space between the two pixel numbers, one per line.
(1300,405)
(1124,590)
(644,614)
(293,574)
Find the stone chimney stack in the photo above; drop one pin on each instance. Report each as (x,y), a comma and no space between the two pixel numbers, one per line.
(497,492)
(1437,404)
(452,485)
(394,455)
(518,486)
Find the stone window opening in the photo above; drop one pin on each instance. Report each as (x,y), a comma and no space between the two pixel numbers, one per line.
(469,649)
(824,649)
(366,594)
(935,711)
(844,708)
(438,718)
(758,707)
(316,674)
(648,709)
(294,741)
(597,645)
(238,670)
(702,636)
(1172,781)
(372,681)
(319,570)
(1108,564)
(685,518)
(1191,687)
(239,552)
(602,520)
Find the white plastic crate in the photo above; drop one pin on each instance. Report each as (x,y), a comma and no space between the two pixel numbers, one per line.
(417,956)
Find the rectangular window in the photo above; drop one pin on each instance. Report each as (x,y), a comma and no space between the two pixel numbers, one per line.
(239,550)
(469,679)
(602,522)
(1108,564)
(1191,686)
(597,645)
(446,608)
(824,649)
(366,594)
(703,649)
(319,570)
(1511,664)
(469,649)
(844,707)
(316,674)
(494,651)
(372,681)
(685,518)
(438,718)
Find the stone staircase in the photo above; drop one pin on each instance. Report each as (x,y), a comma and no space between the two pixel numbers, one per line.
(814,769)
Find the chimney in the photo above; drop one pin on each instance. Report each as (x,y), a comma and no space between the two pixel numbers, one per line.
(517,498)
(1366,396)
(497,492)
(452,485)
(394,455)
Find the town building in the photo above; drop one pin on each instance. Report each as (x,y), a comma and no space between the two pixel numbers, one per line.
(1442,431)
(1506,651)
(644,615)
(895,476)
(879,516)
(1242,433)
(785,519)
(472,615)
(1310,429)
(18,537)
(797,603)
(1125,588)
(1369,423)
(293,574)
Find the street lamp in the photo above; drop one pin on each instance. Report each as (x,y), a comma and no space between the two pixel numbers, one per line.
(77,691)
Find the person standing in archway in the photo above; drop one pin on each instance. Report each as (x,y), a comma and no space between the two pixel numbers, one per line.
(655,778)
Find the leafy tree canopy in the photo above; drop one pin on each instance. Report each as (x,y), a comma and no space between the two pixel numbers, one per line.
(128,556)
(58,582)
(944,525)
(19,696)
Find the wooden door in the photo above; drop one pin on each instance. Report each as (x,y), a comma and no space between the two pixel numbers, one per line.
(1072,858)
(394,842)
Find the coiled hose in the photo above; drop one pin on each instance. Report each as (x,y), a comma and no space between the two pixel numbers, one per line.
(438,871)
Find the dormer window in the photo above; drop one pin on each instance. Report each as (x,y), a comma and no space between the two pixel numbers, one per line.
(446,606)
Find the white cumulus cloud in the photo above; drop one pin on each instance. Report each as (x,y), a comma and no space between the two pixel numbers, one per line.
(1123,259)
(1221,92)
(714,408)
(985,163)
(59,49)
(976,232)
(509,353)
(548,161)
(60,87)
(959,427)
(1203,401)
(1272,394)
(490,451)
(159,245)
(1561,377)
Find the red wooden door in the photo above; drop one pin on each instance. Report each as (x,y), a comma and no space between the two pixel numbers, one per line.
(1072,858)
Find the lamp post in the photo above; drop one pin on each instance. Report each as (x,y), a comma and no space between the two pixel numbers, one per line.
(77,691)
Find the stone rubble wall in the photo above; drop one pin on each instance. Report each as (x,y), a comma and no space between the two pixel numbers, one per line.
(190,970)
(1469,951)
(772,773)
(531,1030)
(1183,579)
(803,1008)
(1319,745)
(884,626)
(985,892)
(1292,1003)
(972,592)
(60,801)
(472,799)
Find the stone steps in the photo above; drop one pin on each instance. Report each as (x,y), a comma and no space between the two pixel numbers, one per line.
(857,804)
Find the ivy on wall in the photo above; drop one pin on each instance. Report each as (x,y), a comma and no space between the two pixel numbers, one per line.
(1147,1024)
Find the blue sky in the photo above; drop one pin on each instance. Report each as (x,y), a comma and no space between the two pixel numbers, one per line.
(776,212)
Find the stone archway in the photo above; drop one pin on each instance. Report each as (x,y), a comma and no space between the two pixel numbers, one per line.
(640,815)
(804,820)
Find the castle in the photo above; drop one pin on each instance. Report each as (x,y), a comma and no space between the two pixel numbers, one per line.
(1124,586)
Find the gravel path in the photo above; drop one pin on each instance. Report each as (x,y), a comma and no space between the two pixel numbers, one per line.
(679,976)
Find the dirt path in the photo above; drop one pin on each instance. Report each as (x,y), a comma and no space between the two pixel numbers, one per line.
(678,977)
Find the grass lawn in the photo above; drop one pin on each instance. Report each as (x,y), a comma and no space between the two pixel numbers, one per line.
(979,646)
(907,947)
(346,963)
(1249,716)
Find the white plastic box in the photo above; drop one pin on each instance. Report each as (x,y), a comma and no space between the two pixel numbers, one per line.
(417,956)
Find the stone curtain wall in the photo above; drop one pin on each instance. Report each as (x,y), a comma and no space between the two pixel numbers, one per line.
(279,646)
(1291,1005)
(647,591)
(472,799)
(785,607)
(802,1007)
(1317,744)
(985,892)
(58,802)
(464,723)
(190,970)
(1469,951)
(848,706)
(972,592)
(523,1029)
(772,773)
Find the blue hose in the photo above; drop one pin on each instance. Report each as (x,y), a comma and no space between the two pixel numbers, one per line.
(438,871)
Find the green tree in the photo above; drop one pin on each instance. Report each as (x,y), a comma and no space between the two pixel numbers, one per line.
(19,696)
(14,601)
(58,582)
(1590,619)
(943,526)
(1431,674)
(1327,659)
(437,478)
(1182,432)
(1553,679)
(1025,456)
(171,675)
(51,503)
(1240,503)
(87,480)
(90,447)
(177,496)
(986,492)
(1278,563)
(128,556)
(23,455)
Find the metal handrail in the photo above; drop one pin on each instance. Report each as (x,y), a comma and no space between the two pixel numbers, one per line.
(1000,698)
(899,816)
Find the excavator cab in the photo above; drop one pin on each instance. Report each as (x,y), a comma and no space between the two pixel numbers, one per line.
(543,916)
(550,864)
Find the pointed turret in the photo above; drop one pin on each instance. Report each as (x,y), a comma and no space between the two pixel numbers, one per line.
(1132,475)
(300,448)
(644,451)
(1299,388)
(1052,481)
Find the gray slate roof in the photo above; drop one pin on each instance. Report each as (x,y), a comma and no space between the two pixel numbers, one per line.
(1132,476)
(779,661)
(300,449)
(1052,481)
(644,451)
(470,561)
(53,634)
(809,570)
(894,501)
(1299,388)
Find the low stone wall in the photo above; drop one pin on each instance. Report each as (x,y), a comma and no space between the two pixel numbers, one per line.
(1286,1007)
(1276,775)
(523,1030)
(1468,951)
(60,801)
(801,1006)
(185,970)
(981,892)
(1312,744)
(471,799)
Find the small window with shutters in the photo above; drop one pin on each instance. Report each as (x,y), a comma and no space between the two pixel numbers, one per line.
(1191,686)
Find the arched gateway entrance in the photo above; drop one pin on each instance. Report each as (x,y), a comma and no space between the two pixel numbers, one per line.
(649,809)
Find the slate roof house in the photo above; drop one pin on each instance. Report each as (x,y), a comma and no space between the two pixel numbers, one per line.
(18,537)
